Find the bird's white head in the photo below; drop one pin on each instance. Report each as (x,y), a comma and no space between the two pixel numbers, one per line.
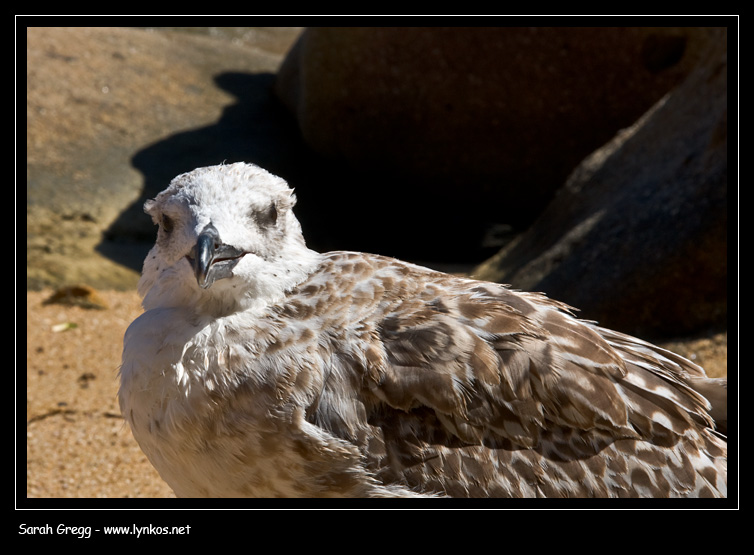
(228,240)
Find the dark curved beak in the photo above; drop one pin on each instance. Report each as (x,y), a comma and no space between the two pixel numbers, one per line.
(211,259)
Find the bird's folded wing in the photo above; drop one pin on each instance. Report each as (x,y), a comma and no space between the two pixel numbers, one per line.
(498,365)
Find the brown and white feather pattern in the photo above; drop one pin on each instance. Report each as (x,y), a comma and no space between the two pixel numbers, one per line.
(373,377)
(469,389)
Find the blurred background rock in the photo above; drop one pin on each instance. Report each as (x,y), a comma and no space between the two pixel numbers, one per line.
(590,163)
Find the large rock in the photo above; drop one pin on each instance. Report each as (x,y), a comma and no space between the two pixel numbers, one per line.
(637,237)
(452,128)
(113,114)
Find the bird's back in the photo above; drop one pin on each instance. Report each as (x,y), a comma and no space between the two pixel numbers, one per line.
(465,388)
(374,377)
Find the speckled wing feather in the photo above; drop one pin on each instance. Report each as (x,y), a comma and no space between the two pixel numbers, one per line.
(465,388)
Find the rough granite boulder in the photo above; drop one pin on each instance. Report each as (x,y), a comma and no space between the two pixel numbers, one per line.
(637,237)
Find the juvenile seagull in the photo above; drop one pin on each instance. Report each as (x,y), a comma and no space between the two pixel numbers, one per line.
(261,368)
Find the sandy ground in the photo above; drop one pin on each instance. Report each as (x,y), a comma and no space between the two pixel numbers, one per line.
(77,444)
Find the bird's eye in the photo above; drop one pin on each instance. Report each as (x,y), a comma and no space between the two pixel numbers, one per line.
(267,217)
(167,224)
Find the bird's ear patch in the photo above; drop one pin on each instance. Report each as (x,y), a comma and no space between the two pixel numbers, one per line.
(281,203)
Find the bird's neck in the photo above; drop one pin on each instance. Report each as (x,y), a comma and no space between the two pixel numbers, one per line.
(265,284)
(268,285)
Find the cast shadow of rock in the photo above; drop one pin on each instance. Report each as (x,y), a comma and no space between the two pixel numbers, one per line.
(339,207)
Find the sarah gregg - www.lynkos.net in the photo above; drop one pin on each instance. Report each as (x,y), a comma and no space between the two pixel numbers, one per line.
(87,531)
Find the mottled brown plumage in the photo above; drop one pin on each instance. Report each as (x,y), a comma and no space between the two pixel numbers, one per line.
(350,374)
